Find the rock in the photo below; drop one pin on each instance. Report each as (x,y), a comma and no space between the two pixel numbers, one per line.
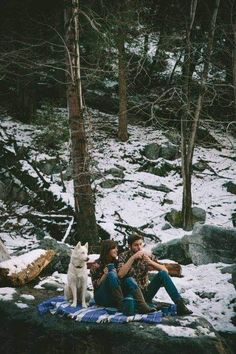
(152,151)
(25,331)
(228,269)
(210,244)
(230,187)
(160,188)
(200,166)
(206,295)
(176,220)
(61,259)
(110,183)
(167,151)
(170,152)
(161,168)
(172,250)
(234,278)
(115,172)
(166,226)
(234,219)
(199,214)
(4,254)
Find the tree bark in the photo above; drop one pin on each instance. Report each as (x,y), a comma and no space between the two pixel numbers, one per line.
(83,194)
(234,65)
(122,130)
(188,144)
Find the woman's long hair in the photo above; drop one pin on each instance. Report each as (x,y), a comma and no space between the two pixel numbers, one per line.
(106,246)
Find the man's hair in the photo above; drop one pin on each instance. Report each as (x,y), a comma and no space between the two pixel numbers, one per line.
(134,237)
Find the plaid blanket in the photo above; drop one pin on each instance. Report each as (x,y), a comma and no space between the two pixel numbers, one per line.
(93,313)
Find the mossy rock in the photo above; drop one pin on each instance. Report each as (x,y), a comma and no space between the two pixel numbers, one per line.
(110,183)
(231,187)
(175,217)
(115,172)
(161,168)
(152,151)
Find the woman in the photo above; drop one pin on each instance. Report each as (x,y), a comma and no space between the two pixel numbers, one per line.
(106,284)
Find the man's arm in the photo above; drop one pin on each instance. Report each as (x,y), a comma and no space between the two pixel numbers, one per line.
(153,263)
(124,269)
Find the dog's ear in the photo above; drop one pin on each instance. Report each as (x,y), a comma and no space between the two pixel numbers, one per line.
(78,244)
(86,245)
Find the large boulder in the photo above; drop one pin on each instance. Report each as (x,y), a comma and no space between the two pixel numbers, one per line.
(172,250)
(210,244)
(62,253)
(25,331)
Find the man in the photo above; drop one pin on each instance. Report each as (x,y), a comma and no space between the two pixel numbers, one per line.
(133,267)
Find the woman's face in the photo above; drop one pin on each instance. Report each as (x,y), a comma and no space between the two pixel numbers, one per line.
(113,253)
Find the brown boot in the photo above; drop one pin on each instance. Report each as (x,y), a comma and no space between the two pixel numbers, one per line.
(142,305)
(117,296)
(182,310)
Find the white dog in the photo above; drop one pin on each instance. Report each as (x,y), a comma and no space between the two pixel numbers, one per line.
(77,276)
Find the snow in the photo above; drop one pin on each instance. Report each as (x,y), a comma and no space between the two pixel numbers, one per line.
(6,294)
(181,331)
(27,297)
(21,305)
(139,206)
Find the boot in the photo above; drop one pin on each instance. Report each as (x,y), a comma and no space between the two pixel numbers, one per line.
(117,297)
(142,305)
(182,310)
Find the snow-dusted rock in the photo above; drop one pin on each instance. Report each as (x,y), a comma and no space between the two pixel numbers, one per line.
(210,244)
(4,254)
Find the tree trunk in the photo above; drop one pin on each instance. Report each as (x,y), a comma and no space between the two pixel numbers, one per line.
(234,65)
(122,130)
(83,195)
(190,142)
(186,166)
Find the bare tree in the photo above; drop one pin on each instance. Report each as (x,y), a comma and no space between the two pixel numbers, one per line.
(188,137)
(83,194)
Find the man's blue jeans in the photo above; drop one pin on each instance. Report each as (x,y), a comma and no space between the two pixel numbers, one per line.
(161,279)
(103,294)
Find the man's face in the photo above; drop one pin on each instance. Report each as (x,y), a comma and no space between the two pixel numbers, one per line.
(137,246)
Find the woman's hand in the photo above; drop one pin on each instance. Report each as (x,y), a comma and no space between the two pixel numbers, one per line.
(105,270)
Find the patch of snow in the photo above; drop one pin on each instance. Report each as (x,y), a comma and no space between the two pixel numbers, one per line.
(6,294)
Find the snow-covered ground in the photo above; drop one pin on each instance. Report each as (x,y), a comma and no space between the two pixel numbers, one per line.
(139,206)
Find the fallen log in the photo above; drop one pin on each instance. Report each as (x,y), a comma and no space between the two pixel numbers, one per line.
(22,269)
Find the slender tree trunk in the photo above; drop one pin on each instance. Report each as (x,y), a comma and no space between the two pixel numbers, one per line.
(83,195)
(188,157)
(234,65)
(186,166)
(122,130)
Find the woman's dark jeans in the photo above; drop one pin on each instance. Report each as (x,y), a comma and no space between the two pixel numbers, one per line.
(103,294)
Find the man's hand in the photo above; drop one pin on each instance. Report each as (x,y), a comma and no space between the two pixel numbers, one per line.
(138,255)
(147,259)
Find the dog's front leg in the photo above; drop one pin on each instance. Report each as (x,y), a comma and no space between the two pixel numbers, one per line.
(83,292)
(74,296)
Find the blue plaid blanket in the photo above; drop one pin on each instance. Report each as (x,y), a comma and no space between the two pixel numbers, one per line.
(58,305)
